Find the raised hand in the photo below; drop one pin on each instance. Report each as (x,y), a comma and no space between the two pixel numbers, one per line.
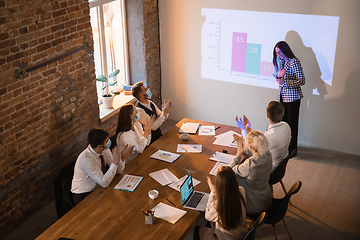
(126,152)
(166,106)
(240,123)
(211,185)
(116,156)
(240,144)
(148,125)
(247,124)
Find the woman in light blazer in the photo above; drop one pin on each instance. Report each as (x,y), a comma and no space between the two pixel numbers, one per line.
(252,166)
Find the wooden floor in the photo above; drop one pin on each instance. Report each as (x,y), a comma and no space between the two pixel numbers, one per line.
(326,207)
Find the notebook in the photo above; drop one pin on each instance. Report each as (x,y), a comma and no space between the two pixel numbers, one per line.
(192,199)
(189,127)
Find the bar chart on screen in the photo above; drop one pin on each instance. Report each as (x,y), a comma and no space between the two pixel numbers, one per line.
(237,46)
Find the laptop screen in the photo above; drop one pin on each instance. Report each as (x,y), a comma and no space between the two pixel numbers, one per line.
(186,189)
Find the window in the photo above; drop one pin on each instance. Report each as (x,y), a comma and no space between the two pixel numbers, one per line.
(107,21)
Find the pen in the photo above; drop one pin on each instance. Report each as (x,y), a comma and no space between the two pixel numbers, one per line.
(217,128)
(144,212)
(184,149)
(170,202)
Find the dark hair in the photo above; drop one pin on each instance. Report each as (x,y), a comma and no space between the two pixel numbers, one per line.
(96,137)
(124,119)
(285,49)
(275,111)
(136,89)
(229,199)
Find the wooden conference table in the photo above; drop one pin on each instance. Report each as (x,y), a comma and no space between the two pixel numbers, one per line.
(114,214)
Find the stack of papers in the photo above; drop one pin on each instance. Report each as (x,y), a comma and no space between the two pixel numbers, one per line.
(189,127)
(207,130)
(176,185)
(128,183)
(168,213)
(164,177)
(222,157)
(226,139)
(215,169)
(191,148)
(165,156)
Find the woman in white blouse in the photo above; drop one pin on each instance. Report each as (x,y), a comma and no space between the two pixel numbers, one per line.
(130,132)
(225,209)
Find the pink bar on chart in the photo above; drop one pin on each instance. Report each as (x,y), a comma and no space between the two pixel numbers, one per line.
(238,57)
(266,68)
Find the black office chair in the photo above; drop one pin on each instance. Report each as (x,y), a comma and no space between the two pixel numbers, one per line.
(251,233)
(279,172)
(62,184)
(278,209)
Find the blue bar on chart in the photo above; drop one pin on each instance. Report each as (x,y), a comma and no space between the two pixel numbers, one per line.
(253,55)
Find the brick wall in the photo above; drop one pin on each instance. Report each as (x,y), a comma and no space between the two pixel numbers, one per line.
(46,113)
(152,48)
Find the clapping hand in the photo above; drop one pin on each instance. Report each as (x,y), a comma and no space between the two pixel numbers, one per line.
(148,125)
(240,123)
(166,106)
(240,143)
(126,152)
(243,124)
(211,185)
(247,124)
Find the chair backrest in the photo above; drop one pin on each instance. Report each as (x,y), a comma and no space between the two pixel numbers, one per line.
(62,184)
(279,171)
(251,233)
(279,207)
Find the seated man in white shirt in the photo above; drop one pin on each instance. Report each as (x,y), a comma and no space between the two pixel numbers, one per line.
(278,132)
(147,108)
(90,167)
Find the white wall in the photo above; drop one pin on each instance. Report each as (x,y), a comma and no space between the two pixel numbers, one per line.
(329,121)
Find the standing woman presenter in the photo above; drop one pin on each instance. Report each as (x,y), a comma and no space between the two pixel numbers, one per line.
(290,78)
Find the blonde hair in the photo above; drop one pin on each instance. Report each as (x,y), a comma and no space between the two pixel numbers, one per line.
(257,143)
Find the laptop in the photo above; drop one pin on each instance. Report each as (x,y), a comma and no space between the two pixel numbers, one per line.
(192,199)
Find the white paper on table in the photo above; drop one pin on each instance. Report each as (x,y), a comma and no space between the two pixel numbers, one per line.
(189,127)
(176,185)
(168,213)
(165,156)
(222,157)
(164,176)
(215,169)
(225,134)
(190,148)
(207,130)
(226,139)
(128,182)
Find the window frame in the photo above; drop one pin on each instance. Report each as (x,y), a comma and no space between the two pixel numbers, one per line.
(101,26)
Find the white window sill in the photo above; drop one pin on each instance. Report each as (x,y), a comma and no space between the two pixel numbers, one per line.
(119,100)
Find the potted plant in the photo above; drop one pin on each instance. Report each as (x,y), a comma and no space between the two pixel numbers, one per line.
(108,96)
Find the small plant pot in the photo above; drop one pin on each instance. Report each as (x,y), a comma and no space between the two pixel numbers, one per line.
(108,101)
